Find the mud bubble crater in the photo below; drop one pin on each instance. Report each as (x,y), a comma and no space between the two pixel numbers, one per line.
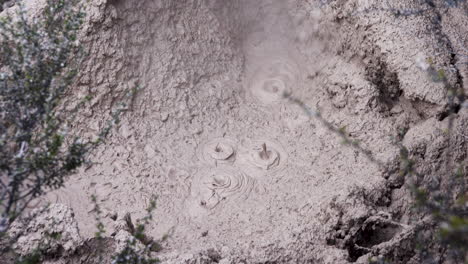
(269,84)
(218,151)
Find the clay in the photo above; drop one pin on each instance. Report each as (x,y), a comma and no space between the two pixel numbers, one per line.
(241,174)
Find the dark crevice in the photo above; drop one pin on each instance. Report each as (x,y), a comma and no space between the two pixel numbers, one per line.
(369,236)
(458,85)
(447,112)
(6,4)
(453,61)
(385,81)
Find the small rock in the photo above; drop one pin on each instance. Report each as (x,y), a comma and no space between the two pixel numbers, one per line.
(164,116)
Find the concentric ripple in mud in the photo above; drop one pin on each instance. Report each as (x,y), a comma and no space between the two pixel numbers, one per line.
(266,155)
(210,187)
(271,82)
(218,151)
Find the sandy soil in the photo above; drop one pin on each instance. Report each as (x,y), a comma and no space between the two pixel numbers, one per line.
(241,174)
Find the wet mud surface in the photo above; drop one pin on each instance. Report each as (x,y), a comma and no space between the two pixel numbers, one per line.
(238,169)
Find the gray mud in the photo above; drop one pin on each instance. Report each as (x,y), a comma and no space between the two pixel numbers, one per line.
(239,170)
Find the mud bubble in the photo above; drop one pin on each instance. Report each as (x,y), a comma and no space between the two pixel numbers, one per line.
(266,155)
(271,83)
(218,151)
(212,186)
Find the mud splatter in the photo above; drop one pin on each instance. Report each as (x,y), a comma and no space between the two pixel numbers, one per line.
(265,156)
(213,186)
(218,151)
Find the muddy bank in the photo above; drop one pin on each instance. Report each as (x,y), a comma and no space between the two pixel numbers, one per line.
(240,173)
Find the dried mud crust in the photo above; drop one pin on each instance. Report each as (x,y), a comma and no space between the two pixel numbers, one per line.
(242,175)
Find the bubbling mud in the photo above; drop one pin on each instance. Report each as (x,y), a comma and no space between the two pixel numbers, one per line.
(270,84)
(218,151)
(211,187)
(265,158)
(266,155)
